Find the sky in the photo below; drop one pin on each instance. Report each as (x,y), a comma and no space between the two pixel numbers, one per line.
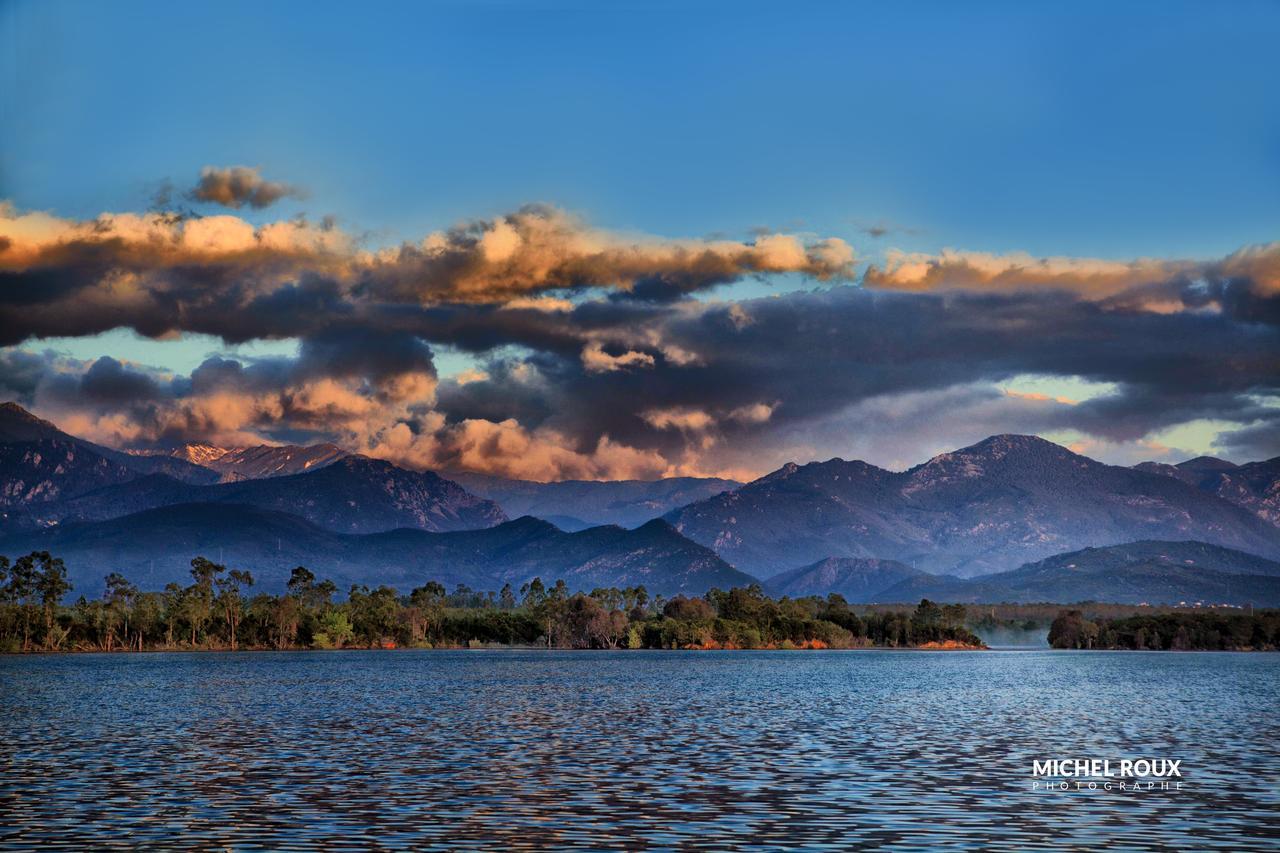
(581,240)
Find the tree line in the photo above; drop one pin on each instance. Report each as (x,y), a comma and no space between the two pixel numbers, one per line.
(1171,631)
(220,610)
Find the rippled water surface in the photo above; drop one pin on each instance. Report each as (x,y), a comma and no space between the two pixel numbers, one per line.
(630,749)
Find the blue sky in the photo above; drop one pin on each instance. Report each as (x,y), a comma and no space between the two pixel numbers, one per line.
(1090,130)
(1108,130)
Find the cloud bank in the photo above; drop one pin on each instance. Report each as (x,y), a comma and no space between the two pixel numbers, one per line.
(593,359)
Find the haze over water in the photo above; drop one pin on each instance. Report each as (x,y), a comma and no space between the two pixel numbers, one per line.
(630,749)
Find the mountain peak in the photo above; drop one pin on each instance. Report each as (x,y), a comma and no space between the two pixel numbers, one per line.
(1010,442)
(18,424)
(658,526)
(1206,463)
(782,473)
(859,580)
(11,407)
(995,453)
(198,453)
(834,468)
(260,461)
(527,524)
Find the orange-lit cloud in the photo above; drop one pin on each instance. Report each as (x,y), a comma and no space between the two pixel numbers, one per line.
(587,358)
(159,273)
(1089,278)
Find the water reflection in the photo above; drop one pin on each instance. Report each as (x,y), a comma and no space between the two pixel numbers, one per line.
(632,749)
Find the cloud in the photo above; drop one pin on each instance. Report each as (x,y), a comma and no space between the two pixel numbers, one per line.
(538,249)
(508,449)
(755,413)
(687,420)
(237,186)
(1259,439)
(159,273)
(589,361)
(812,374)
(596,360)
(1151,284)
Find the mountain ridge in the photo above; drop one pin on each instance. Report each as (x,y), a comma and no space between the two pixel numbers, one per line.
(1255,486)
(155,547)
(354,494)
(989,507)
(19,426)
(1143,572)
(859,581)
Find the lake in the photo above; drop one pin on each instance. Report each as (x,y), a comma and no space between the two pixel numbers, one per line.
(631,749)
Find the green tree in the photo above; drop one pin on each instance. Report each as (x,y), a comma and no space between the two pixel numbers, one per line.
(118,598)
(148,617)
(21,590)
(301,582)
(953,615)
(52,584)
(174,598)
(286,613)
(231,601)
(335,631)
(426,607)
(374,614)
(1068,630)
(198,602)
(533,594)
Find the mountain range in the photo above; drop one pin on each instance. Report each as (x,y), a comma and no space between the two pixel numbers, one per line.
(1010,518)
(991,507)
(355,494)
(19,427)
(1149,572)
(155,547)
(41,465)
(1254,485)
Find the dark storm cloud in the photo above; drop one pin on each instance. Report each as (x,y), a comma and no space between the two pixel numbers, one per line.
(22,372)
(93,288)
(358,351)
(1257,442)
(108,381)
(64,271)
(586,340)
(744,369)
(814,354)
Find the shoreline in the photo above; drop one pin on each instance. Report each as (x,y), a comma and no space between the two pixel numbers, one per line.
(927,647)
(597,651)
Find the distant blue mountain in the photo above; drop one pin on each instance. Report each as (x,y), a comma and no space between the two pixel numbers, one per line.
(986,508)
(355,494)
(1254,485)
(859,580)
(155,547)
(1148,572)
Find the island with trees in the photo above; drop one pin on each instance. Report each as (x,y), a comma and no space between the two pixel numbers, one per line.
(1215,630)
(220,610)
